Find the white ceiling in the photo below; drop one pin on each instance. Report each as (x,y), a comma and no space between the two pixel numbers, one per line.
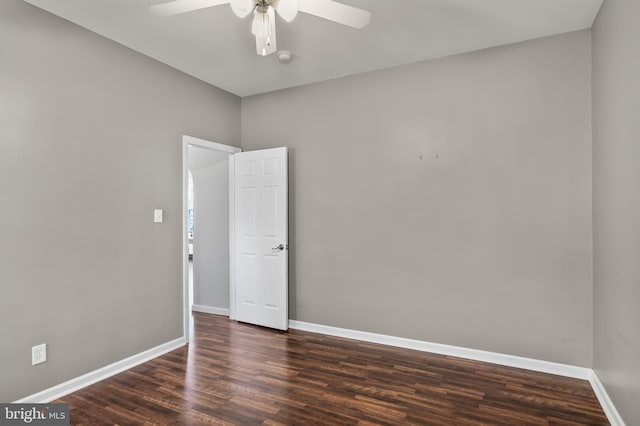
(217,47)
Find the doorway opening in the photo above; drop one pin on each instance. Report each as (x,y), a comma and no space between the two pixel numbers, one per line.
(205,228)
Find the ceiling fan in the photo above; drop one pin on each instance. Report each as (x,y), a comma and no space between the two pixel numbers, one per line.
(264,19)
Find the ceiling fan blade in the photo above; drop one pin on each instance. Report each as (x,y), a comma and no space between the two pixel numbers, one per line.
(336,12)
(287,9)
(177,7)
(242,7)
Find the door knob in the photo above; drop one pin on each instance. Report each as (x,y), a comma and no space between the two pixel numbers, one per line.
(278,248)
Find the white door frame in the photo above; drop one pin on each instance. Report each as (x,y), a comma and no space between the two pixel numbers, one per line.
(186,141)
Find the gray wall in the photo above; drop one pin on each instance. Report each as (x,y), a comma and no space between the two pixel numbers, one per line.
(448,201)
(90,145)
(210,170)
(616,203)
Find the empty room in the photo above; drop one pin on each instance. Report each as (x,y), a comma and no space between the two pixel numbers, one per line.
(320,212)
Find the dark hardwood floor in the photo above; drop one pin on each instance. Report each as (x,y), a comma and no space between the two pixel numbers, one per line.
(234,373)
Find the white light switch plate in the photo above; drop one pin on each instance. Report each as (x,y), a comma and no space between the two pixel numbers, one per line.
(157,215)
(39,354)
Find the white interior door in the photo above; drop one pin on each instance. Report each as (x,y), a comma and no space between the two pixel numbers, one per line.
(261,243)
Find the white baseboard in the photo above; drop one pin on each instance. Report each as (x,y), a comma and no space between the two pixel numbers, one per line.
(210,310)
(603,397)
(95,376)
(474,354)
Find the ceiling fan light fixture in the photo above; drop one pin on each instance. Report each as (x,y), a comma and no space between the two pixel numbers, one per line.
(242,8)
(260,24)
(287,9)
(264,47)
(264,28)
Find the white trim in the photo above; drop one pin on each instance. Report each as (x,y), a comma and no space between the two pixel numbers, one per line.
(190,140)
(186,318)
(105,372)
(210,310)
(609,409)
(232,237)
(438,348)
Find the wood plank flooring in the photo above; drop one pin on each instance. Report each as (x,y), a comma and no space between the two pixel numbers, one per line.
(235,373)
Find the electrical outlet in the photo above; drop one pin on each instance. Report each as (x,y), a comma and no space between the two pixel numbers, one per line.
(39,354)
